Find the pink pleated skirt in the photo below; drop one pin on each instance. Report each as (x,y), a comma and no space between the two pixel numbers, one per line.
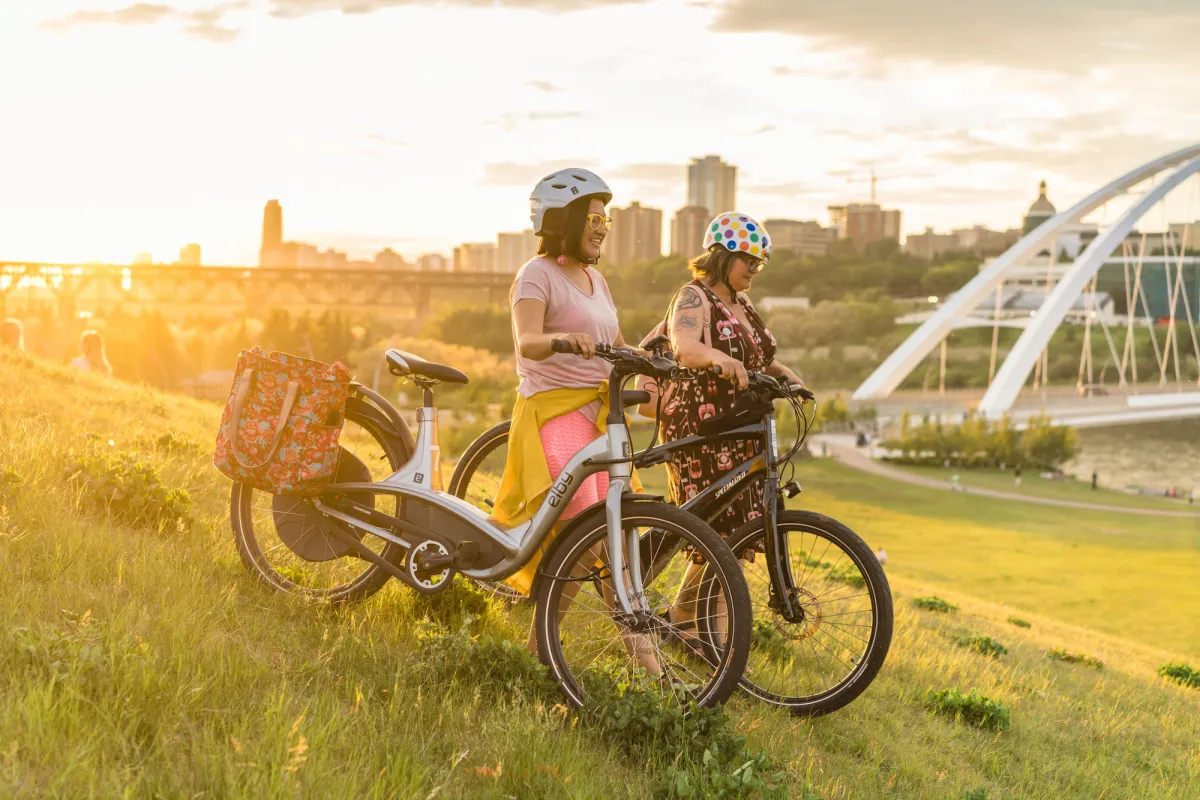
(563,437)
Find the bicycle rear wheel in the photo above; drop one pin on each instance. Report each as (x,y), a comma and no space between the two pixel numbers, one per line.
(832,655)
(476,479)
(590,652)
(281,541)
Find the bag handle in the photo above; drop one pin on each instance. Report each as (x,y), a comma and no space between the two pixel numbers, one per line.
(239,405)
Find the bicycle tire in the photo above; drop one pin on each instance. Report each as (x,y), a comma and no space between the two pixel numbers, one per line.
(362,586)
(485,445)
(832,698)
(590,529)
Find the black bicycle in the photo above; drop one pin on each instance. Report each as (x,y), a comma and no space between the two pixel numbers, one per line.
(823,614)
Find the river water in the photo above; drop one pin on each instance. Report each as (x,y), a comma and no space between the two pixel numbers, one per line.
(1154,455)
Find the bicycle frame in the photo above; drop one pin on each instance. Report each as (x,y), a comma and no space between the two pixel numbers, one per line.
(419,480)
(709,503)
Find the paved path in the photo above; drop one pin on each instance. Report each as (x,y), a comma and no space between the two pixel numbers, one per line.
(843,449)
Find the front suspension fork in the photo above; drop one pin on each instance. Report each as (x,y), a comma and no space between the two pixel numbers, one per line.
(779,564)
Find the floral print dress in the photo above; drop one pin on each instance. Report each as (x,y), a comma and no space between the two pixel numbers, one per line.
(694,469)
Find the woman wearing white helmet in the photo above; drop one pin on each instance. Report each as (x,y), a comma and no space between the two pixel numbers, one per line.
(562,398)
(713,324)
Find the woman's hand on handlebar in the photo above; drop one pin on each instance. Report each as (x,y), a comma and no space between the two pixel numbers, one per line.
(581,344)
(731,369)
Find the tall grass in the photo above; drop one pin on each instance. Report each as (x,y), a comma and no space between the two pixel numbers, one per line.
(141,660)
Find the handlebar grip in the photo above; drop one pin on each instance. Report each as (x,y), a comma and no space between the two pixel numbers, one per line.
(805,393)
(561,346)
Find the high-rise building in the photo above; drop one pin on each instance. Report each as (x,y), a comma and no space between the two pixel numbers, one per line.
(189,255)
(475,257)
(514,249)
(802,237)
(272,233)
(687,231)
(636,235)
(712,184)
(863,223)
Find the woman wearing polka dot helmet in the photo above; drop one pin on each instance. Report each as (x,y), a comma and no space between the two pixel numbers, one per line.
(713,324)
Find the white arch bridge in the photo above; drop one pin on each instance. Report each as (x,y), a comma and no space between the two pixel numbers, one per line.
(1147,270)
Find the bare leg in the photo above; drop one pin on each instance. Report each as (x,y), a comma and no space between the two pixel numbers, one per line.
(637,645)
(683,611)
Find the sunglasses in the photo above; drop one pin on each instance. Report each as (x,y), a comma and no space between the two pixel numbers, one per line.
(753,265)
(598,221)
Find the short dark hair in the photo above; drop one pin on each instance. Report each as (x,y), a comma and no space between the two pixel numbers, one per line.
(713,266)
(570,221)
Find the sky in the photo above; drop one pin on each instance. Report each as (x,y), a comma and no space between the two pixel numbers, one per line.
(420,124)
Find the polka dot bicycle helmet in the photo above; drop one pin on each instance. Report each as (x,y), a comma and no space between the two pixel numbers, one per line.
(738,232)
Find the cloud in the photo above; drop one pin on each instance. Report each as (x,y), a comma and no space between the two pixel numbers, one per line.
(1087,146)
(1057,35)
(545,86)
(510,121)
(762,130)
(138,14)
(510,173)
(300,8)
(203,23)
(651,172)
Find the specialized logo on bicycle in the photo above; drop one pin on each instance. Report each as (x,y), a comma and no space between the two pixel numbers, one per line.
(559,490)
(734,481)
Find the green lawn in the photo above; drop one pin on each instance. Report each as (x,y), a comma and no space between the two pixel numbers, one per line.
(1068,488)
(141,663)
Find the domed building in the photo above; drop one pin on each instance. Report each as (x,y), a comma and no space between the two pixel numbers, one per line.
(1041,210)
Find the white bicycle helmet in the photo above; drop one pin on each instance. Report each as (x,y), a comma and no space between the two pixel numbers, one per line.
(740,233)
(559,189)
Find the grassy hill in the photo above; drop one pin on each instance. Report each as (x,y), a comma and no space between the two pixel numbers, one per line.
(137,658)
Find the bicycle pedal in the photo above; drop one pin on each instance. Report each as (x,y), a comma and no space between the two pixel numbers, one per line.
(466,554)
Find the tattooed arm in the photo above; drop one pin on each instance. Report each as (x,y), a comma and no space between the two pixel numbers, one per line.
(689,317)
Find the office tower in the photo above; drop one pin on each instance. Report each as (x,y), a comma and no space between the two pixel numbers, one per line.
(712,184)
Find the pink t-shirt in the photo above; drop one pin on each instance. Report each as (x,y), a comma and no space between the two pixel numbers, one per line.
(568,310)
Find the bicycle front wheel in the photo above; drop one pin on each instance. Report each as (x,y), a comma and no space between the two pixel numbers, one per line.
(829,657)
(591,649)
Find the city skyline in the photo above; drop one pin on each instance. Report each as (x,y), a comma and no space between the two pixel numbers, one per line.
(419,147)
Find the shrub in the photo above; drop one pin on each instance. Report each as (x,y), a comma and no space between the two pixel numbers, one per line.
(1181,673)
(10,481)
(1062,654)
(982,644)
(707,758)
(454,605)
(128,488)
(495,666)
(849,575)
(1020,623)
(767,640)
(973,709)
(935,603)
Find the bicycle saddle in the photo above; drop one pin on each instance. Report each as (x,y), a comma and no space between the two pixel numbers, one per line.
(407,365)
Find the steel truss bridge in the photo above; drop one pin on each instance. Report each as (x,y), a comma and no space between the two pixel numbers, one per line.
(178,291)
(1017,386)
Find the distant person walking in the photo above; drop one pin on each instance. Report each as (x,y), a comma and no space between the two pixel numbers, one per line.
(12,334)
(92,358)
(1017,475)
(1094,476)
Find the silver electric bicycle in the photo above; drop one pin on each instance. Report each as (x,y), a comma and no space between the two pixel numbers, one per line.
(599,616)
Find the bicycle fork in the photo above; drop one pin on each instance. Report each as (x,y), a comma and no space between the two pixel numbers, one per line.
(779,565)
(623,546)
